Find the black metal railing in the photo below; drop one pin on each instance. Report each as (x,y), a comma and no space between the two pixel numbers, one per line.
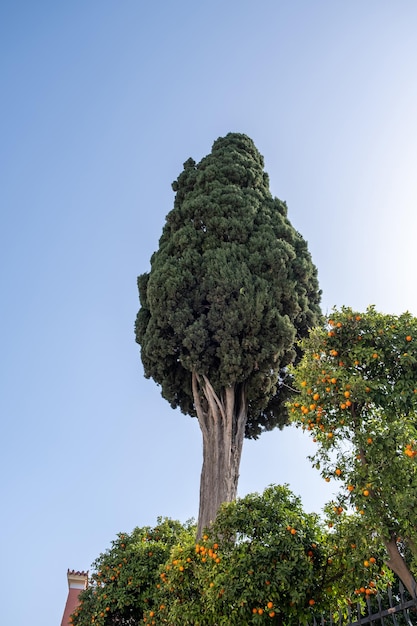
(390,609)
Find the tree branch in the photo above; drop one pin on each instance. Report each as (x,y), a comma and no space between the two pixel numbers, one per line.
(201,414)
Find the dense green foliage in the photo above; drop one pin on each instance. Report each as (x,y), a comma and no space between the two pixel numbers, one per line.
(125,578)
(231,286)
(253,564)
(358,399)
(263,561)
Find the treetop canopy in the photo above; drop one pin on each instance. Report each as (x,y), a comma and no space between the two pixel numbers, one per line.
(231,286)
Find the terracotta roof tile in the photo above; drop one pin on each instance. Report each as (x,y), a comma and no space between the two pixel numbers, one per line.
(77,573)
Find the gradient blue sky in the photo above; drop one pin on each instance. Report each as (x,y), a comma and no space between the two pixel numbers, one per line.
(101,104)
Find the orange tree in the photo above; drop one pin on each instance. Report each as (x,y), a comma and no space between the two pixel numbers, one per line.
(257,563)
(263,561)
(354,567)
(125,579)
(358,399)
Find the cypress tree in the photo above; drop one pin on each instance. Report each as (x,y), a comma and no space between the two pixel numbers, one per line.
(231,288)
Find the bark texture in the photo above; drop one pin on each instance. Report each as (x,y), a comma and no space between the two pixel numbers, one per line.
(222,419)
(397,564)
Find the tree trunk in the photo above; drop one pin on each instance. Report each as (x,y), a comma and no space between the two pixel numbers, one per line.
(397,564)
(222,421)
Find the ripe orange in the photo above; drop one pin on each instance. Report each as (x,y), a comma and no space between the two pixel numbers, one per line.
(312,602)
(270,605)
(366,492)
(408,338)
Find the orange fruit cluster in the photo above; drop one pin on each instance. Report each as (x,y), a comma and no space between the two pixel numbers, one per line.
(260,611)
(409,451)
(204,552)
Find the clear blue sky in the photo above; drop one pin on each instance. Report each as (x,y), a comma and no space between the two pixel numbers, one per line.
(101,104)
